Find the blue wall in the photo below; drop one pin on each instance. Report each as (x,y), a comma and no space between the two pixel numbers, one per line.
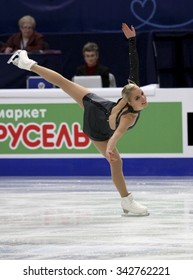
(97,15)
(95,167)
(69,24)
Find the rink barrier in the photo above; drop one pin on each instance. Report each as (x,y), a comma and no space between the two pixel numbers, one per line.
(41,135)
(96,167)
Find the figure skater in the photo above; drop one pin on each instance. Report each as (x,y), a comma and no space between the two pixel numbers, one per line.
(105,121)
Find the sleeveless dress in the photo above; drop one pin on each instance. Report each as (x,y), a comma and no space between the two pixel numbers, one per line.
(97,109)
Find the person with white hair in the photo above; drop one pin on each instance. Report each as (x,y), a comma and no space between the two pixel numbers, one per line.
(26,39)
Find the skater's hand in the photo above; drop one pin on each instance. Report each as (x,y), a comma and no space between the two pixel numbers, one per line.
(129,32)
(110,156)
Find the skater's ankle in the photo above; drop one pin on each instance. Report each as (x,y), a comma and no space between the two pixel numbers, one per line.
(126,195)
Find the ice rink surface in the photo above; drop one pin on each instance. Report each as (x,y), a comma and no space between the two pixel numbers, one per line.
(77,218)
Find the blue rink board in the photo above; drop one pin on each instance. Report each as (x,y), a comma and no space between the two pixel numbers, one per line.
(95,167)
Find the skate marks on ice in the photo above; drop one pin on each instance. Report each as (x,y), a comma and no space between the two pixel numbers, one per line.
(82,219)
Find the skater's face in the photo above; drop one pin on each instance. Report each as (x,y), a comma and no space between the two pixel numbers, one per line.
(91,58)
(137,99)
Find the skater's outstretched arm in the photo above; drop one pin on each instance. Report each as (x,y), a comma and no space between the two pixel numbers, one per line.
(130,34)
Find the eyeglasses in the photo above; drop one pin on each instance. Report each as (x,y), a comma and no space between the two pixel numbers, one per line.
(89,55)
(27,27)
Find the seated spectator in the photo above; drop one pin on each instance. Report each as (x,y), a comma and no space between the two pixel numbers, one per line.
(27,39)
(92,65)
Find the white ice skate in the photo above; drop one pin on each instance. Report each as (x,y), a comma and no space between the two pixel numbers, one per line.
(21,60)
(133,208)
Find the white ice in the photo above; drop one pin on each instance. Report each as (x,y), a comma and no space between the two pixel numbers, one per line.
(76,218)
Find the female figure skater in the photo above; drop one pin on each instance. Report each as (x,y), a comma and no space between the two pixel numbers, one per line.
(104,121)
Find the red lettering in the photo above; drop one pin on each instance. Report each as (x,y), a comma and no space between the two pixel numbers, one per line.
(28,129)
(15,133)
(47,135)
(80,138)
(3,132)
(64,135)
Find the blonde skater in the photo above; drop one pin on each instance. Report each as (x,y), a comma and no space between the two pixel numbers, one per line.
(105,121)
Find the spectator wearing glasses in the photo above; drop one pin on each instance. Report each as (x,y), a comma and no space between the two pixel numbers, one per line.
(92,65)
(26,39)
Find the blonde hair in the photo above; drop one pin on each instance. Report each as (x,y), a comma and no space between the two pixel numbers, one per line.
(27,19)
(127,89)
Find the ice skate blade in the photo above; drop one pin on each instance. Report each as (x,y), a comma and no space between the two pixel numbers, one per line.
(135,215)
(14,56)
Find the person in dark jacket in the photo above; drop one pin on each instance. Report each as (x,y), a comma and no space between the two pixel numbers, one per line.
(92,65)
(27,39)
(105,121)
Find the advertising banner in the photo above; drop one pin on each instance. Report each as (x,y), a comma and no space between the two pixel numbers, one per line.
(38,129)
